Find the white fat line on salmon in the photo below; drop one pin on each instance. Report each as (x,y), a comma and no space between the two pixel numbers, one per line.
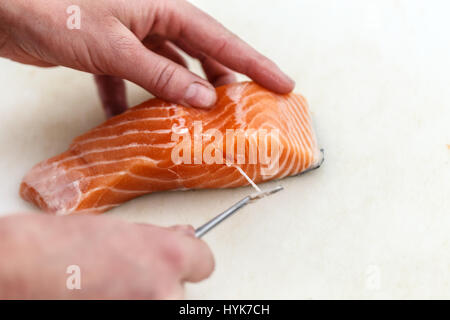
(305,129)
(142,192)
(296,139)
(306,132)
(150,108)
(318,154)
(293,143)
(301,142)
(223,112)
(304,118)
(102,150)
(60,188)
(63,187)
(252,183)
(121,123)
(239,169)
(54,165)
(235,92)
(241,115)
(146,159)
(140,177)
(115,190)
(125,133)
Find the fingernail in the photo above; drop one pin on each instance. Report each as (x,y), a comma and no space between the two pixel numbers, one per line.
(198,95)
(286,77)
(291,80)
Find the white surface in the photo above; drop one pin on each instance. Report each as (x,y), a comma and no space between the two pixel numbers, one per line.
(372,222)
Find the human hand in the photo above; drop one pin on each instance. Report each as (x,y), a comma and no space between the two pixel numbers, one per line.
(117,260)
(135,40)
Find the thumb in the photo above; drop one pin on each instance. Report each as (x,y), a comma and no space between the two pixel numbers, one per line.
(162,77)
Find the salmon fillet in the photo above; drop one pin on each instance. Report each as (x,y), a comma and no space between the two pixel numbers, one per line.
(159,146)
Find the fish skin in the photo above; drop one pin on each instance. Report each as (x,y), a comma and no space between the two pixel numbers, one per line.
(130,155)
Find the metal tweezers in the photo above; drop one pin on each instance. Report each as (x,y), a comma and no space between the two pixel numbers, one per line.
(201,231)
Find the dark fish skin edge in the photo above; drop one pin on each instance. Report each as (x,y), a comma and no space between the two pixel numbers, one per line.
(313,168)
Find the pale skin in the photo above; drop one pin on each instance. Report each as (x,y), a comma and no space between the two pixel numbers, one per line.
(136,40)
(117,260)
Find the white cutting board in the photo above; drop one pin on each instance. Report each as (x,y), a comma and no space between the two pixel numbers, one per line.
(373,222)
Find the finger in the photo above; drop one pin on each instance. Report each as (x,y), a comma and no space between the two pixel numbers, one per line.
(166,49)
(205,34)
(190,258)
(131,60)
(112,94)
(175,294)
(216,73)
(198,259)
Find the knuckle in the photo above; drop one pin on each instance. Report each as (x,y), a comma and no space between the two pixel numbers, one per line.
(165,76)
(255,63)
(86,57)
(121,48)
(167,19)
(222,45)
(122,44)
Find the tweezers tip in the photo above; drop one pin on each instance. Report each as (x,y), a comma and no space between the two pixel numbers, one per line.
(263,194)
(276,189)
